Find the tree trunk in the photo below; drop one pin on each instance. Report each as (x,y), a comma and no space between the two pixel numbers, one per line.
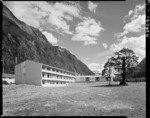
(109,80)
(97,79)
(123,81)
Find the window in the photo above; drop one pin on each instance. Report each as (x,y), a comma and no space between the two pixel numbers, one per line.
(43,82)
(43,74)
(43,67)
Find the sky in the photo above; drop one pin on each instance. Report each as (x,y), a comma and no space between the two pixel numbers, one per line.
(91,30)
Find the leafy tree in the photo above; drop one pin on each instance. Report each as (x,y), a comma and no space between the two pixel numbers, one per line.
(124,61)
(108,70)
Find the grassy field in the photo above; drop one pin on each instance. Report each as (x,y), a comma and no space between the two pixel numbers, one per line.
(76,99)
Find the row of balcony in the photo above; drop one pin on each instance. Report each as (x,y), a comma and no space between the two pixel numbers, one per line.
(56,71)
(51,75)
(56,79)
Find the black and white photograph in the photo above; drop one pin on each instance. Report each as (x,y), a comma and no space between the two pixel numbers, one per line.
(74,58)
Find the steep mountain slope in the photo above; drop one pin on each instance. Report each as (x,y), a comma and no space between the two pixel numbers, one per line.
(25,42)
(140,69)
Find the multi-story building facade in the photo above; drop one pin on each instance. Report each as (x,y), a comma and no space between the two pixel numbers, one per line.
(29,72)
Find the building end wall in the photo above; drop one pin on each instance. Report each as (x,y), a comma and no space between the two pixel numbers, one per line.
(33,73)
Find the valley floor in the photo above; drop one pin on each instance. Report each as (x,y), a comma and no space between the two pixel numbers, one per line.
(76,99)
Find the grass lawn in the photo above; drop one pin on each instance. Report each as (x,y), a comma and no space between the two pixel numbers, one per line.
(76,99)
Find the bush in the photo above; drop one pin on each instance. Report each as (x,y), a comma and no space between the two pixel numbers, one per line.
(131,79)
(117,78)
(5,82)
(137,79)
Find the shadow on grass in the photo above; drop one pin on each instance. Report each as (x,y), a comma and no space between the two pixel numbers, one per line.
(113,85)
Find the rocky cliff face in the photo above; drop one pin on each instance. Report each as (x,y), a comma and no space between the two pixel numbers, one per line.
(25,42)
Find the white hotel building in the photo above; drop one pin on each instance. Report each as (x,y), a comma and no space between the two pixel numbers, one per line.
(29,72)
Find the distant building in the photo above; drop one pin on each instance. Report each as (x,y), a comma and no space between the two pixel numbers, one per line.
(88,78)
(29,72)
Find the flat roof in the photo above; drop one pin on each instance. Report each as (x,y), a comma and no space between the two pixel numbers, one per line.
(49,66)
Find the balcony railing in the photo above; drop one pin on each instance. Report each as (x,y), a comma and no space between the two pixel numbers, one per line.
(56,79)
(57,73)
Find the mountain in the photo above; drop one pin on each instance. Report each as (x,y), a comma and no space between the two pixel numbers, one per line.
(140,69)
(26,42)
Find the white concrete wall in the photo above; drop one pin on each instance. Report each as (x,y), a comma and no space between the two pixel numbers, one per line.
(9,80)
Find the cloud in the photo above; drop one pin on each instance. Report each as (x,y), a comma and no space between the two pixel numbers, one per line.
(103,63)
(139,9)
(45,15)
(137,19)
(133,14)
(136,25)
(89,26)
(104,53)
(53,40)
(137,44)
(118,35)
(128,15)
(94,66)
(87,39)
(87,31)
(130,12)
(92,7)
(105,45)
